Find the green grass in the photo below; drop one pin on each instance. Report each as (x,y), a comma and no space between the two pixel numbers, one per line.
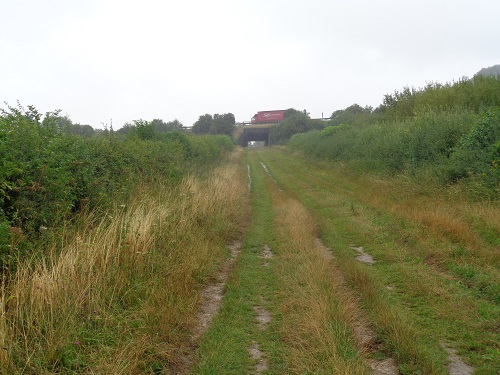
(224,348)
(430,301)
(434,280)
(312,321)
(122,293)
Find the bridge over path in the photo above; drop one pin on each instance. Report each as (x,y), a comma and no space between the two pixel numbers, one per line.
(253,133)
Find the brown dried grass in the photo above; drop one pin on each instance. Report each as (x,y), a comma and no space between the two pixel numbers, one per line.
(319,315)
(124,289)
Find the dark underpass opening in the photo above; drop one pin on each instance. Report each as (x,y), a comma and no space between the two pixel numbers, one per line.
(256,137)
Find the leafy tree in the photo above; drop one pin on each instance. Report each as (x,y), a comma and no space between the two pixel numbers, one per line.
(478,153)
(299,122)
(174,125)
(149,129)
(292,111)
(223,124)
(128,128)
(474,94)
(161,126)
(202,126)
(352,115)
(53,121)
(83,130)
(216,124)
(144,129)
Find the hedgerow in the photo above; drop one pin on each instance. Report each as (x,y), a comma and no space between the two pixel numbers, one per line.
(47,174)
(449,133)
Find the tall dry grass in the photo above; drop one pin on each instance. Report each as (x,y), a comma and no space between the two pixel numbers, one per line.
(319,315)
(123,292)
(446,214)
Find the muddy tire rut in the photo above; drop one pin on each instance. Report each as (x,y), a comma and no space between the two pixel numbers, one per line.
(263,318)
(211,298)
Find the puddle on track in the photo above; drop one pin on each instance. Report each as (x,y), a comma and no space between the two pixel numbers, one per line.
(249,178)
(212,295)
(267,171)
(263,317)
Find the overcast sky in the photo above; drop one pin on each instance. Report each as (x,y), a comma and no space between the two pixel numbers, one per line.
(118,60)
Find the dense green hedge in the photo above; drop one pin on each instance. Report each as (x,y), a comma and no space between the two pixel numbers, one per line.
(447,145)
(476,94)
(47,174)
(448,133)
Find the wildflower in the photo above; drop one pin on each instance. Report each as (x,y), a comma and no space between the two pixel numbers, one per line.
(77,342)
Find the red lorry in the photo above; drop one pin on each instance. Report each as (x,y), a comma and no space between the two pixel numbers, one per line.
(265,117)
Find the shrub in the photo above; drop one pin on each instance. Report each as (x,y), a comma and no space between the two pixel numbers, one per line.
(452,145)
(477,154)
(294,124)
(47,173)
(331,130)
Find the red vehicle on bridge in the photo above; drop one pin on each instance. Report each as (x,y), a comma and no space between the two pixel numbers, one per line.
(266,117)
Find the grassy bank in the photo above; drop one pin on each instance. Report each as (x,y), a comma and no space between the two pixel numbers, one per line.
(121,292)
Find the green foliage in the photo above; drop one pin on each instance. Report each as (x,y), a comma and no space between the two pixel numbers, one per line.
(218,124)
(292,111)
(331,130)
(223,124)
(451,145)
(298,122)
(477,155)
(47,173)
(202,126)
(5,236)
(149,129)
(161,126)
(446,132)
(144,129)
(353,115)
(83,130)
(474,94)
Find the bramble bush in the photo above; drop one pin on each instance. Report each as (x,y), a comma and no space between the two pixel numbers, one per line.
(47,173)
